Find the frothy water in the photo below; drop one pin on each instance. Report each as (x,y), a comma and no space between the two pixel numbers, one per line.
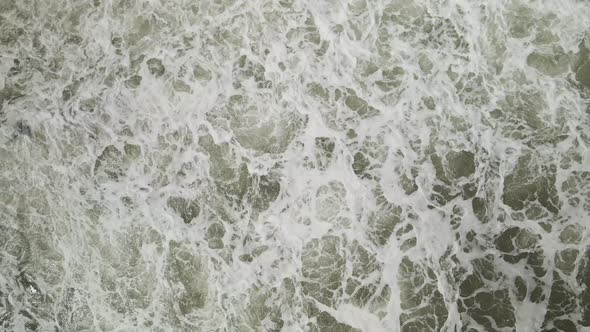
(294,165)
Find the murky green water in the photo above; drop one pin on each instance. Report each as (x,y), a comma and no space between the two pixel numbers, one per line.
(291,165)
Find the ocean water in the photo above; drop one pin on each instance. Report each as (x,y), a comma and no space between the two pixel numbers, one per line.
(294,165)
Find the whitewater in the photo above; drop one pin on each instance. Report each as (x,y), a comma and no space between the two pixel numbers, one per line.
(295,165)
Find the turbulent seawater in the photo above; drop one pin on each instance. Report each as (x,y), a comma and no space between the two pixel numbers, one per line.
(294,165)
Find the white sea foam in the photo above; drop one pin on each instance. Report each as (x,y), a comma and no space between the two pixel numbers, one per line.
(294,165)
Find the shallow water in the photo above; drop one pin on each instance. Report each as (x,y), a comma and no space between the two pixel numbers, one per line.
(294,165)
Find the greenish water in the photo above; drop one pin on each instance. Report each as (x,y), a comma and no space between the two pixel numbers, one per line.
(292,165)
